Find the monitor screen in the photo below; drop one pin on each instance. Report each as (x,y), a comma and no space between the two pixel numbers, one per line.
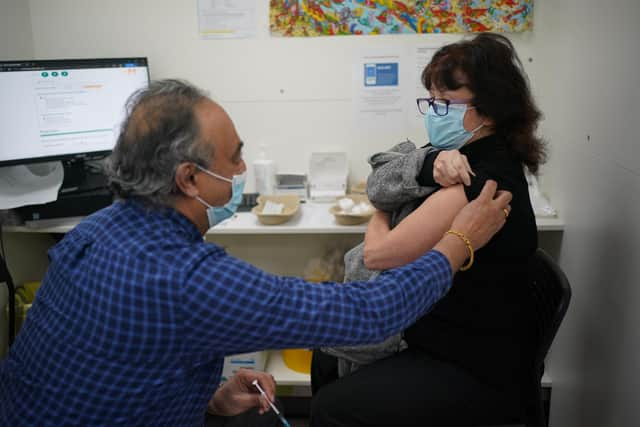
(61,109)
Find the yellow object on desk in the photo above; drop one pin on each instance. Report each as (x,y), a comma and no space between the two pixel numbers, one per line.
(24,297)
(297,359)
(29,289)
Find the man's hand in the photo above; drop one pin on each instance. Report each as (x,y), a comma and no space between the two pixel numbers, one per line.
(484,216)
(238,395)
(479,220)
(450,168)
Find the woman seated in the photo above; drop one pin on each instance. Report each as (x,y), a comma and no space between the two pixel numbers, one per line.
(470,357)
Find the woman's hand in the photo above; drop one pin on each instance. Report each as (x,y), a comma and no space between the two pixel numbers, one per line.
(238,395)
(451,167)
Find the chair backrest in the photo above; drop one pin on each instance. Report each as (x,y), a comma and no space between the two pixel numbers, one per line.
(551,293)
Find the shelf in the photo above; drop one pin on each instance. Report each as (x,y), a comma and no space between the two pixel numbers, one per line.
(285,376)
(550,224)
(312,218)
(546,380)
(54,225)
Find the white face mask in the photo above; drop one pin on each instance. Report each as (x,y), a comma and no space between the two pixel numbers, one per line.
(217,214)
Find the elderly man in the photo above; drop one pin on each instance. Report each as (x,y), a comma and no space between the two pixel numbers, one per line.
(136,311)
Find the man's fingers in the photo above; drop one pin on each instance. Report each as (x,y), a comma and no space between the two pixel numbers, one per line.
(488,191)
(503,198)
(264,405)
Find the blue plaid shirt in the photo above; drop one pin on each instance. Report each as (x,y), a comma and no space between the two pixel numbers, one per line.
(136,313)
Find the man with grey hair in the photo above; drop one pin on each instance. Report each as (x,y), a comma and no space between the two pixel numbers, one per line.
(137,311)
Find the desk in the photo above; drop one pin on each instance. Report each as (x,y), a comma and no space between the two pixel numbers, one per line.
(285,376)
(312,218)
(280,249)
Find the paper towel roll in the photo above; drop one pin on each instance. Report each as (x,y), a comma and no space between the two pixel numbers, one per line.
(23,185)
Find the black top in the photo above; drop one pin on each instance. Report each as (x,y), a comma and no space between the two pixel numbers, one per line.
(482,325)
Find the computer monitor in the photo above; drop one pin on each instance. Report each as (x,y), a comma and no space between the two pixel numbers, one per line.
(64,109)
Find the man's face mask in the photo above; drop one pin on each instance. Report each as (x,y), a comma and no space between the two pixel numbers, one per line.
(217,214)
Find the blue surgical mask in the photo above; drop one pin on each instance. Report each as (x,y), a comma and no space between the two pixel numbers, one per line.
(448,132)
(217,214)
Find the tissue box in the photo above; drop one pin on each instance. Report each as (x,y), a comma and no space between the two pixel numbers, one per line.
(256,360)
(328,173)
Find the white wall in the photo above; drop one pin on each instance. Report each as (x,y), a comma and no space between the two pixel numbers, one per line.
(583,61)
(16,42)
(592,104)
(294,94)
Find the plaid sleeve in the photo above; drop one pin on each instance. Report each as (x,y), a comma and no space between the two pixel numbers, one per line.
(232,307)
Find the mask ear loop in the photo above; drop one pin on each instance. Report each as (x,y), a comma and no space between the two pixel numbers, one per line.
(213,174)
(473,107)
(201,200)
(477,129)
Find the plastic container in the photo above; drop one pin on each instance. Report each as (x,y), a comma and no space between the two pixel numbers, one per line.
(297,359)
(264,171)
(256,360)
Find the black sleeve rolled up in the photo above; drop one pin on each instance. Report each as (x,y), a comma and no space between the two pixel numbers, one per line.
(425,177)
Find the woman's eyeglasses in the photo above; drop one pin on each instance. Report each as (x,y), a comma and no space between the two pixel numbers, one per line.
(440,106)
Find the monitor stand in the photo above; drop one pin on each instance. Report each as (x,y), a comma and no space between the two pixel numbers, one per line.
(81,176)
(84,190)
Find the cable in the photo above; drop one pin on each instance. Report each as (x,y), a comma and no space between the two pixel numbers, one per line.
(2,242)
(6,277)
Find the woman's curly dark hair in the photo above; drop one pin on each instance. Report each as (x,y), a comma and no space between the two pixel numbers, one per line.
(490,68)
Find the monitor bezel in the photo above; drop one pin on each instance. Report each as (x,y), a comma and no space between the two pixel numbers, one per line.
(70,63)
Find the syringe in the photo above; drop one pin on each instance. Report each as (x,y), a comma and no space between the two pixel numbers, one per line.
(263,394)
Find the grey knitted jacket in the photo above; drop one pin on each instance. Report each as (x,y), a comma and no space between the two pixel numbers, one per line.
(391,187)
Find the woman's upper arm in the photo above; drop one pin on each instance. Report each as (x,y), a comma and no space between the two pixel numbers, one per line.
(415,234)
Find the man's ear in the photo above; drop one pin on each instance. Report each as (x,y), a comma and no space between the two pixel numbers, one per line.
(186,179)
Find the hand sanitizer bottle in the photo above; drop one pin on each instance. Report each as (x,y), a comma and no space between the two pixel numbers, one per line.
(265,173)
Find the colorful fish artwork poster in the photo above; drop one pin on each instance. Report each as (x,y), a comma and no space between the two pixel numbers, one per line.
(309,18)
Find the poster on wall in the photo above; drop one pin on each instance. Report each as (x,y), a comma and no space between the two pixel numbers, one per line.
(309,18)
(226,19)
(380,87)
(422,56)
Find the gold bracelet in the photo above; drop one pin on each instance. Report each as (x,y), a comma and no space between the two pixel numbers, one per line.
(467,242)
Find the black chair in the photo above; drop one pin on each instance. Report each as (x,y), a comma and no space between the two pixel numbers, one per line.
(551,291)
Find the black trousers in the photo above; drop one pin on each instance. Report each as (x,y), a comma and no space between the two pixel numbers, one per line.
(408,389)
(250,418)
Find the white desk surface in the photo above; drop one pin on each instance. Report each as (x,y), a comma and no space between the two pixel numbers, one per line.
(281,372)
(285,376)
(312,218)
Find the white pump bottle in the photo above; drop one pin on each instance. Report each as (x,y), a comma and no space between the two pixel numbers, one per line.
(264,171)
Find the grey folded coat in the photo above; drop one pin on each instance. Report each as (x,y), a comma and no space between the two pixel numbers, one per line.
(391,187)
